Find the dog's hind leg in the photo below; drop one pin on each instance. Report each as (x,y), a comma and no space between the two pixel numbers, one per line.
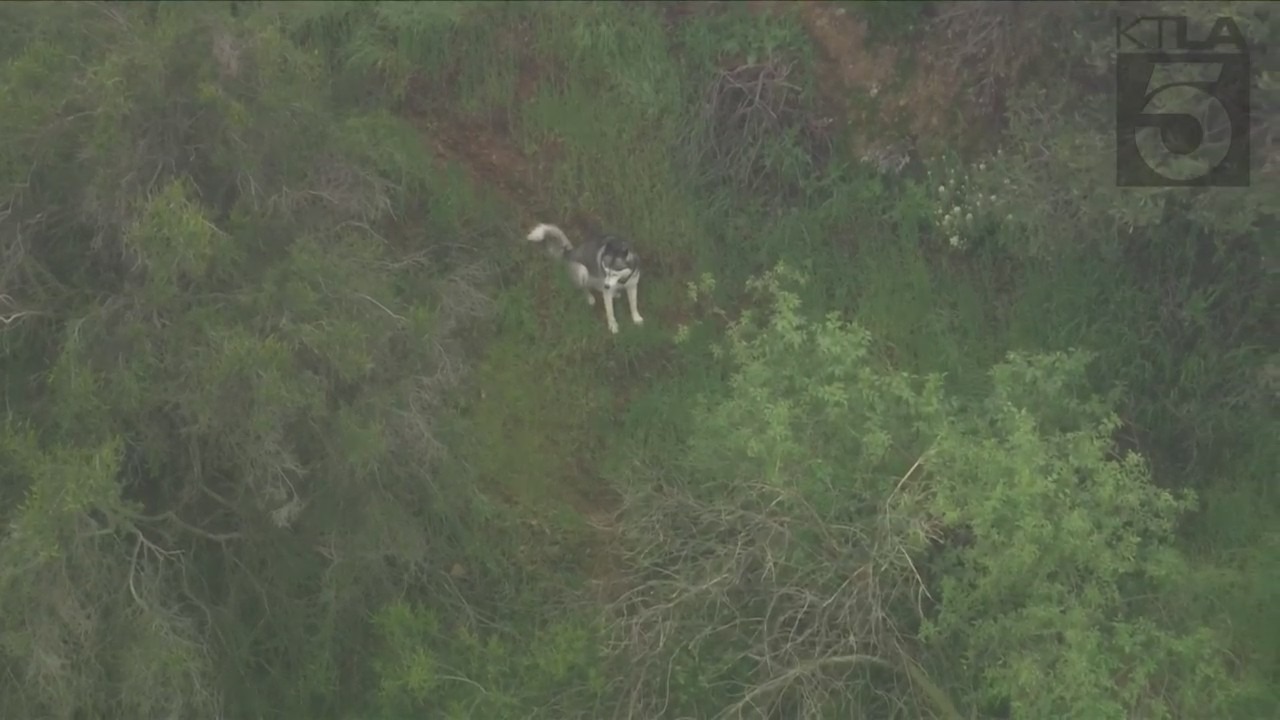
(578,274)
(632,290)
(608,312)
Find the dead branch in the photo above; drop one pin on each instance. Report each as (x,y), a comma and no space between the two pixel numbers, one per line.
(792,675)
(801,594)
(744,109)
(342,188)
(8,319)
(994,41)
(401,318)
(223,537)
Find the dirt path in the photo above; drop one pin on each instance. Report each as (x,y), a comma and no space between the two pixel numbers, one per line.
(862,85)
(488,159)
(491,160)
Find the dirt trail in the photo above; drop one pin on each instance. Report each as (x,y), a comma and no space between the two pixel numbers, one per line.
(491,160)
(860,84)
(487,158)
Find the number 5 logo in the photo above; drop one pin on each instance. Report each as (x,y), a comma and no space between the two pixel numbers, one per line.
(1188,132)
(1176,117)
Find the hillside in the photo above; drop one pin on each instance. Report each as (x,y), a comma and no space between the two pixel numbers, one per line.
(927,418)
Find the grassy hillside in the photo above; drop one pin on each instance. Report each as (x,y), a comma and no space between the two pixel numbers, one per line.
(926,419)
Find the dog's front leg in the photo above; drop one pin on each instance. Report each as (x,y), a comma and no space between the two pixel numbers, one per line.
(608,311)
(632,290)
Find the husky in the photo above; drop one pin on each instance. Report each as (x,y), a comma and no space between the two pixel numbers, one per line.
(602,264)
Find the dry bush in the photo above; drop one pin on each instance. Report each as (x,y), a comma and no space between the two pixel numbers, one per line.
(101,590)
(993,42)
(748,112)
(767,581)
(338,187)
(461,303)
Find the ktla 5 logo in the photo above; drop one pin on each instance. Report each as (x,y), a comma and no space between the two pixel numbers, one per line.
(1182,108)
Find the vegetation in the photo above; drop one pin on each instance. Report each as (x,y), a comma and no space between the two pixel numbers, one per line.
(926,420)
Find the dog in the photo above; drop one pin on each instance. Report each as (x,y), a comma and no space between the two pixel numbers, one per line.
(602,264)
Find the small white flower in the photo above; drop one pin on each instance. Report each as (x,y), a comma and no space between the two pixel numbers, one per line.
(952,183)
(993,198)
(982,166)
(955,241)
(1009,218)
(956,210)
(968,217)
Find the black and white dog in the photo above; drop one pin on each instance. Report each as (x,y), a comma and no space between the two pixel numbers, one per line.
(602,264)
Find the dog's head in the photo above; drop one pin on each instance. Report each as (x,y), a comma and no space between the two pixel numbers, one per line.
(619,262)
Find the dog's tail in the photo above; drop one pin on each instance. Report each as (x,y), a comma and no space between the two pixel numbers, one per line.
(556,249)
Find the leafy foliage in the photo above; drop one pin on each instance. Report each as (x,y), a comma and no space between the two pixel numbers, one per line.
(246,361)
(468,672)
(787,544)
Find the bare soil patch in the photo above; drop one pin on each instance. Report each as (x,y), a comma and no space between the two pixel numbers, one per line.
(861,84)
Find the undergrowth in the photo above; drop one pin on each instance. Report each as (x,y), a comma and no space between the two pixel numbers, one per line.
(692,136)
(615,118)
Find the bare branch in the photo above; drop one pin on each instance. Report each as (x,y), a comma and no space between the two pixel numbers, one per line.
(10,318)
(384,307)
(792,590)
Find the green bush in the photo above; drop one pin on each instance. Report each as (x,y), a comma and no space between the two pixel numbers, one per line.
(837,526)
